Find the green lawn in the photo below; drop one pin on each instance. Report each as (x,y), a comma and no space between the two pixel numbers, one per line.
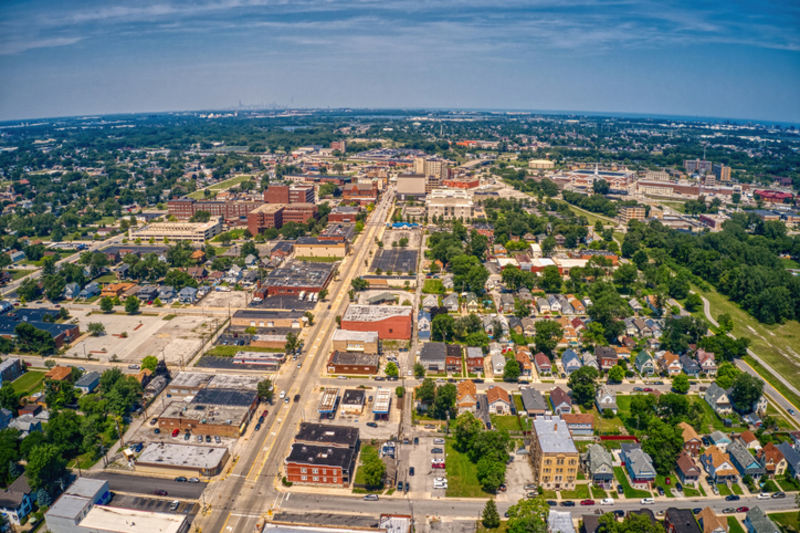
(790,519)
(28,383)
(789,263)
(230,351)
(689,492)
(502,529)
(505,422)
(227,184)
(770,486)
(581,492)
(367,452)
(734,526)
(598,493)
(433,286)
(17,274)
(711,418)
(629,491)
(661,482)
(606,425)
(788,484)
(724,490)
(462,474)
(549,494)
(737,489)
(768,376)
(106,278)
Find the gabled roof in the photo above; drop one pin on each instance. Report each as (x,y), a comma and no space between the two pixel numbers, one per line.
(715,392)
(597,456)
(760,522)
(790,454)
(737,451)
(687,465)
(718,459)
(559,396)
(710,521)
(532,399)
(747,436)
(542,360)
(689,434)
(466,388)
(578,419)
(496,393)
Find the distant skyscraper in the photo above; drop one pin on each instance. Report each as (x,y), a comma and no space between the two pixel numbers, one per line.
(722,172)
(697,165)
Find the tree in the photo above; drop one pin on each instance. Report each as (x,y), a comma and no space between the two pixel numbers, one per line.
(109,378)
(528,516)
(132,305)
(426,392)
(322,294)
(442,327)
(582,383)
(265,390)
(548,333)
(490,473)
(747,390)
(391,370)
(150,362)
(310,316)
(400,392)
(465,429)
(601,186)
(292,343)
(551,279)
(642,409)
(30,443)
(46,466)
(374,469)
(444,402)
(359,284)
(9,399)
(96,329)
(639,258)
(522,309)
(626,275)
(725,322)
(34,340)
(490,518)
(511,372)
(179,279)
(726,374)
(680,383)
(633,523)
(693,302)
(663,445)
(64,431)
(616,374)
(419,371)
(43,498)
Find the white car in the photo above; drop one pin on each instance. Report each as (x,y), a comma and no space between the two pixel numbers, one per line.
(763,496)
(647,501)
(607,501)
(438,441)
(283,394)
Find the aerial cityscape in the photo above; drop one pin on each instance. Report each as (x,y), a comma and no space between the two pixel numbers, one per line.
(399,267)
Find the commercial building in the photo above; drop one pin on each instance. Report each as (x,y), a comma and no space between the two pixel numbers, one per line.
(383,402)
(352,402)
(285,194)
(541,164)
(10,369)
(317,247)
(449,204)
(697,165)
(166,458)
(66,514)
(363,193)
(269,362)
(228,210)
(300,213)
(328,400)
(390,321)
(344,213)
(355,341)
(198,232)
(323,455)
(626,214)
(268,319)
(265,217)
(61,333)
(553,454)
(427,166)
(462,183)
(297,277)
(187,384)
(102,519)
(325,435)
(353,363)
(411,186)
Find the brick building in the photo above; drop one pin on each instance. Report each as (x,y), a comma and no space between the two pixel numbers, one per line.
(363,193)
(300,212)
(344,213)
(265,217)
(323,455)
(285,194)
(350,363)
(297,277)
(390,321)
(230,211)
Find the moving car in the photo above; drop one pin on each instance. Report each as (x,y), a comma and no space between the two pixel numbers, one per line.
(778,495)
(194,480)
(371,497)
(160,492)
(181,479)
(134,367)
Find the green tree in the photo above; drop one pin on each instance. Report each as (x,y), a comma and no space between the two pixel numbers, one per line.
(444,402)
(747,390)
(490,473)
(323,294)
(30,443)
(548,333)
(521,309)
(528,516)
(426,392)
(725,322)
(96,329)
(359,284)
(616,374)
(640,259)
(32,339)
(132,305)
(442,327)
(626,275)
(9,399)
(551,279)
(465,429)
(490,518)
(680,383)
(292,343)
(582,383)
(150,362)
(642,410)
(726,374)
(46,466)
(64,431)
(663,445)
(419,371)
(693,302)
(391,370)
(265,390)
(374,469)
(109,378)
(400,392)
(511,372)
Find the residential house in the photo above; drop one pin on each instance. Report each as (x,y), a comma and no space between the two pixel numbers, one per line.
(570,362)
(579,424)
(466,396)
(453,362)
(744,461)
(498,364)
(147,293)
(589,360)
(691,440)
(6,417)
(451,302)
(757,521)
(543,366)
(16,502)
(597,463)
(433,356)
(523,357)
(644,364)
(689,366)
(26,424)
(630,328)
(642,328)
(635,305)
(197,273)
(90,291)
(749,440)
(710,522)
(515,325)
(720,440)
(72,291)
(167,294)
(472,303)
(474,357)
(506,303)
(638,464)
(542,305)
(88,382)
(772,460)
(707,363)
(606,398)
(424,326)
(717,398)
(680,521)
(533,402)
(792,457)
(687,469)
(606,356)
(560,401)
(447,282)
(577,306)
(429,302)
(670,364)
(555,305)
(717,465)
(528,326)
(498,400)
(187,295)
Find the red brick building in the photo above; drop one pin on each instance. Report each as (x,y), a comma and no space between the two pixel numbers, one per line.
(234,210)
(323,455)
(462,183)
(300,213)
(363,193)
(265,217)
(390,321)
(344,213)
(284,194)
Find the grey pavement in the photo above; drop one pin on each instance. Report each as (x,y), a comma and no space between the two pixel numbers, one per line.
(135,484)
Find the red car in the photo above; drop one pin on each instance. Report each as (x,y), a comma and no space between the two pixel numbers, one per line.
(587,502)
(647,389)
(265,413)
(668,480)
(742,509)
(160,493)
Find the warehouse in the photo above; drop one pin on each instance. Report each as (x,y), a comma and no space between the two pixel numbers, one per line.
(268,319)
(390,321)
(353,363)
(355,341)
(166,458)
(216,411)
(296,278)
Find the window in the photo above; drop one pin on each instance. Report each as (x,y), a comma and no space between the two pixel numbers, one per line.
(303,478)
(324,471)
(316,478)
(547,462)
(303,470)
(315,471)
(560,461)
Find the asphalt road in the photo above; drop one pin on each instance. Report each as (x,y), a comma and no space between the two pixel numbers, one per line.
(147,485)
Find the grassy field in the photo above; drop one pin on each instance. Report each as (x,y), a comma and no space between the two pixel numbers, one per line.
(789,263)
(788,484)
(230,351)
(502,529)
(222,185)
(769,377)
(433,286)
(734,526)
(775,344)
(598,493)
(318,259)
(17,274)
(28,383)
(786,520)
(581,492)
(629,491)
(507,423)
(724,490)
(462,474)
(689,492)
(711,418)
(605,425)
(367,452)
(677,206)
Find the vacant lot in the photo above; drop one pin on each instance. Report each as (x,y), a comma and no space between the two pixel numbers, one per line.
(234,299)
(462,475)
(28,383)
(221,186)
(394,235)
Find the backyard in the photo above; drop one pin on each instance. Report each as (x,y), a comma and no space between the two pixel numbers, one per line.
(505,423)
(734,526)
(786,520)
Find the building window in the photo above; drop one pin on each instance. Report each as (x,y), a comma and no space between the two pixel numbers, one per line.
(303,470)
(315,471)
(303,478)
(316,478)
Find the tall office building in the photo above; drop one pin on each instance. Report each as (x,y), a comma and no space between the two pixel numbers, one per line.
(721,172)
(430,167)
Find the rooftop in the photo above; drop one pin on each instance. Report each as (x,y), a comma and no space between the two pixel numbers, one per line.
(553,435)
(321,455)
(363,336)
(191,379)
(354,358)
(182,455)
(325,434)
(370,313)
(297,274)
(104,518)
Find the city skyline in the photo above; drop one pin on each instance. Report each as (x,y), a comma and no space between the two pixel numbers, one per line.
(706,59)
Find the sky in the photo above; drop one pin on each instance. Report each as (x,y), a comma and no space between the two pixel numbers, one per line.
(736,59)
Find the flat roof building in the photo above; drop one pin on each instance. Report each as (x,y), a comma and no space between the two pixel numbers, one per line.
(198,232)
(328,400)
(383,401)
(181,459)
(355,341)
(325,435)
(449,204)
(553,454)
(390,321)
(297,277)
(353,363)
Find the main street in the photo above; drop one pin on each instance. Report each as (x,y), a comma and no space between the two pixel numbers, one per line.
(243,497)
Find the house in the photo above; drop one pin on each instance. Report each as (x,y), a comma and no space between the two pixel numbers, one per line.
(506,303)
(498,400)
(792,457)
(433,356)
(147,293)
(523,357)
(6,417)
(88,382)
(720,440)
(757,521)
(749,440)
(542,362)
(560,401)
(498,364)
(555,305)
(429,302)
(72,291)
(570,362)
(447,282)
(707,363)
(424,326)
(26,424)
(717,465)
(670,364)
(167,294)
(710,522)
(744,461)
(579,424)
(606,356)
(187,295)
(528,326)
(638,464)
(451,302)
(606,398)
(680,521)
(197,273)
(687,469)
(453,362)
(515,325)
(635,305)
(533,401)
(717,398)
(472,303)
(589,360)
(598,464)
(691,440)
(474,357)
(642,328)
(90,291)
(466,396)
(59,373)
(10,369)
(542,305)
(772,460)
(644,364)
(689,366)
(16,502)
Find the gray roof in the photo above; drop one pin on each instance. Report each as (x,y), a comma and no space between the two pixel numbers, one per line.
(433,351)
(790,454)
(560,522)
(760,522)
(88,379)
(474,352)
(532,399)
(719,436)
(598,456)
(737,451)
(553,435)
(715,392)
(640,462)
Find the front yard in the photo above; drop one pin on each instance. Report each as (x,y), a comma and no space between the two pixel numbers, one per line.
(629,491)
(505,422)
(581,492)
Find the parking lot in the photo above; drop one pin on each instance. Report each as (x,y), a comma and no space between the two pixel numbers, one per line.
(396,260)
(391,236)
(419,457)
(234,299)
(156,505)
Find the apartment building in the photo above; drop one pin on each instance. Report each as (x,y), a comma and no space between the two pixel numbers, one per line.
(553,454)
(626,214)
(449,204)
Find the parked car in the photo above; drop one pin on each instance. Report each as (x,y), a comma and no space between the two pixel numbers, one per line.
(660,491)
(620,489)
(438,441)
(194,480)
(729,510)
(181,479)
(532,495)
(154,421)
(160,492)
(619,513)
(697,510)
(763,496)
(742,509)
(372,424)
(156,431)
(187,436)
(134,367)
(552,503)
(416,441)
(264,413)
(778,495)
(258,427)
(175,433)
(199,438)
(437,450)
(732,498)
(607,501)
(563,504)
(647,501)
(174,505)
(411,471)
(371,497)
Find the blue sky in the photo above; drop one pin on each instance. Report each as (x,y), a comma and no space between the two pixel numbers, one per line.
(737,59)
